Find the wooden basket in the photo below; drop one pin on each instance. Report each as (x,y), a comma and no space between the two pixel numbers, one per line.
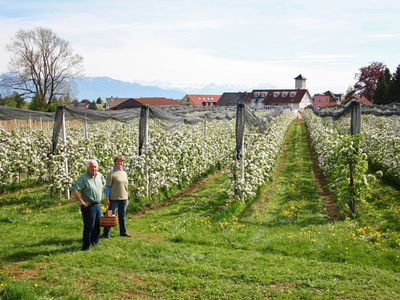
(108,221)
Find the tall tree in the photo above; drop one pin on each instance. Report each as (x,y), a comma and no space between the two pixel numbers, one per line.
(93,105)
(41,64)
(38,103)
(395,93)
(368,79)
(383,88)
(13,100)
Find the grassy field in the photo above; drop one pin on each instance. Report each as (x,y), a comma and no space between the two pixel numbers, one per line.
(202,245)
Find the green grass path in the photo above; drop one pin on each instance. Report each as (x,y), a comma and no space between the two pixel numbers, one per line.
(283,246)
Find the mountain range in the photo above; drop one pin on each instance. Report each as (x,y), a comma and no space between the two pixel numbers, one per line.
(104,87)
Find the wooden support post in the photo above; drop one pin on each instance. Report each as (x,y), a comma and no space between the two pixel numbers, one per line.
(355,111)
(240,149)
(355,129)
(64,134)
(144,142)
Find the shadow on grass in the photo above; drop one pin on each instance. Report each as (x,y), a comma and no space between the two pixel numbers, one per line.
(58,246)
(210,200)
(40,198)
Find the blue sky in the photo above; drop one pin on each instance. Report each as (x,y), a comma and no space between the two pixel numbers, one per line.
(238,44)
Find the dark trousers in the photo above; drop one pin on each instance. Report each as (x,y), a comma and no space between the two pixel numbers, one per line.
(121,205)
(91,225)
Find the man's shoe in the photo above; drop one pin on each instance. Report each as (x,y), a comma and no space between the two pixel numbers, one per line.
(85,248)
(125,235)
(106,237)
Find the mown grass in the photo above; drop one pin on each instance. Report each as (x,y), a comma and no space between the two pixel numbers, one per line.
(283,246)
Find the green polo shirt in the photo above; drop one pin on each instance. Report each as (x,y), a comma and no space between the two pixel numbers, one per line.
(91,189)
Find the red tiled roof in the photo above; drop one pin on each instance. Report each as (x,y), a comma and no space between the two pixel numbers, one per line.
(158,101)
(199,99)
(274,97)
(82,104)
(112,102)
(363,100)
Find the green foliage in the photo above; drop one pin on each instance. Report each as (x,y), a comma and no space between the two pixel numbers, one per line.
(93,105)
(388,87)
(383,88)
(17,291)
(395,95)
(349,177)
(13,100)
(38,103)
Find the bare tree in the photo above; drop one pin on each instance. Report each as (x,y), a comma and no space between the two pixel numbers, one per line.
(41,64)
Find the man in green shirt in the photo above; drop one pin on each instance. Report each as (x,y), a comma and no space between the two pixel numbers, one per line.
(88,190)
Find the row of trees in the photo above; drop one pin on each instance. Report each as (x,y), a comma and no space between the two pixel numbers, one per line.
(17,101)
(388,87)
(376,83)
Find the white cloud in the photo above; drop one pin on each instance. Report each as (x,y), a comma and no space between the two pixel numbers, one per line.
(232,42)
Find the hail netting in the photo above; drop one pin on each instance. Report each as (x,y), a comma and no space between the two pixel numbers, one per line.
(10,113)
(377,110)
(167,117)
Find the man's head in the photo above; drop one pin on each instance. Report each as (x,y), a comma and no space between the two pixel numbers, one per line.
(92,167)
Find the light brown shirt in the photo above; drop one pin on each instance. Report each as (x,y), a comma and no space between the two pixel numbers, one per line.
(118,182)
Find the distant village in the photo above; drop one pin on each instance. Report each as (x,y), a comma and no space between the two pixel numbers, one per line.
(297,98)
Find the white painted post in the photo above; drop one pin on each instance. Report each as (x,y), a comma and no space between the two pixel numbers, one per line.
(64,133)
(30,122)
(146,144)
(41,123)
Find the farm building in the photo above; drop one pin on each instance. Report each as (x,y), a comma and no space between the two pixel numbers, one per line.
(298,98)
(114,101)
(228,99)
(138,102)
(200,99)
(326,99)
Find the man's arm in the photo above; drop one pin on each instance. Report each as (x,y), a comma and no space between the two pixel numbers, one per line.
(78,197)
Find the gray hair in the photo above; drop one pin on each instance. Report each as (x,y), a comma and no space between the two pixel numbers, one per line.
(92,162)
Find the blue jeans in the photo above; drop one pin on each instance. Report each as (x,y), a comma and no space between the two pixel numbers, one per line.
(121,205)
(91,225)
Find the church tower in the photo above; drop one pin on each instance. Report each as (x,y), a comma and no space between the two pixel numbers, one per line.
(300,82)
